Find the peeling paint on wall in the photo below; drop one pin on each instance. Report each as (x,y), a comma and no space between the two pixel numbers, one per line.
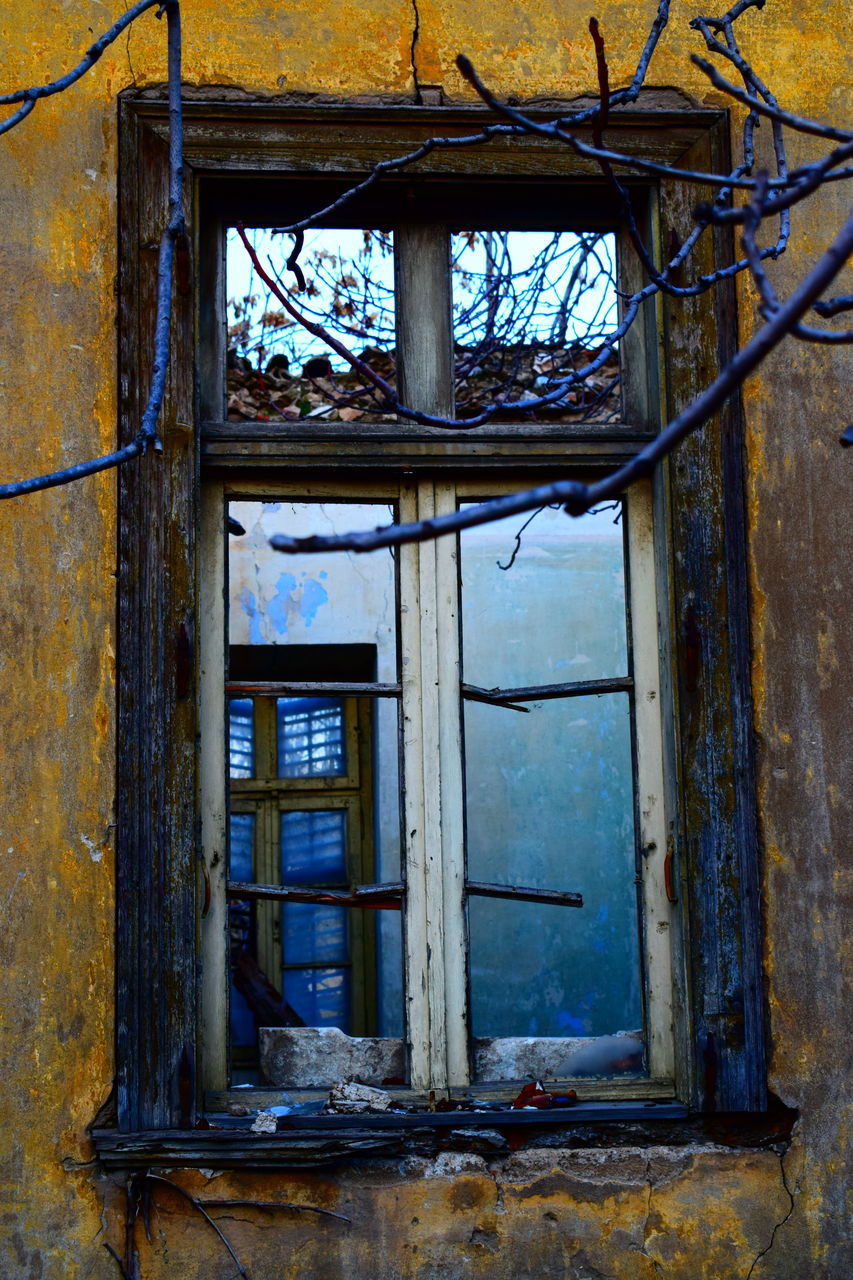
(687,1213)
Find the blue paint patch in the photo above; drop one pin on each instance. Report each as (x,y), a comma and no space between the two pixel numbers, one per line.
(323,574)
(277,607)
(249,605)
(313,596)
(569,1025)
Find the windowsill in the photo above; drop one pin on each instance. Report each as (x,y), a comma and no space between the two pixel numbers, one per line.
(632,1088)
(311,1141)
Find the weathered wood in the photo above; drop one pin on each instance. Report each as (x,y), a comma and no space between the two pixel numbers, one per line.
(556,897)
(546,692)
(375,896)
(291,689)
(156,1014)
(719,848)
(716,855)
(423,318)
(255,136)
(443,450)
(645,608)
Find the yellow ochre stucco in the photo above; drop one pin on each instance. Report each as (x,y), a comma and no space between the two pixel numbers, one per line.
(684,1213)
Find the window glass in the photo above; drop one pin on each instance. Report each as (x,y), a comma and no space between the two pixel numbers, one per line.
(545,603)
(530,309)
(277,369)
(310,737)
(549,798)
(241,737)
(549,782)
(313,846)
(319,772)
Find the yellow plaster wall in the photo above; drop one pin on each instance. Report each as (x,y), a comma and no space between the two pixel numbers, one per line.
(681,1213)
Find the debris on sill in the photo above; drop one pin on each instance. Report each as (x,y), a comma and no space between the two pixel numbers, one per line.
(265,1122)
(353,1098)
(534,1097)
(317,1057)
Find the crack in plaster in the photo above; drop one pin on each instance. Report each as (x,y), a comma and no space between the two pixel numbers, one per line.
(642,1248)
(416,32)
(778,1225)
(127,48)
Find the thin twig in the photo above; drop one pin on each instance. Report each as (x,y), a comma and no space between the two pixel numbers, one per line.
(197,1204)
(576,496)
(175,228)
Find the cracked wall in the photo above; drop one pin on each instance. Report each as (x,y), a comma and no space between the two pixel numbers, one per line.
(683,1213)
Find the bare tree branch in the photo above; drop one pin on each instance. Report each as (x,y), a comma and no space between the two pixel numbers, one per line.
(175,229)
(29,97)
(576,496)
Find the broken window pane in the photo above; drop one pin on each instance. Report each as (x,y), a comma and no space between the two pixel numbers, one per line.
(277,369)
(531,310)
(320,774)
(550,787)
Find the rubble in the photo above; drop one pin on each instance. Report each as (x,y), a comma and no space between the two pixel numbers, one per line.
(265,1122)
(353,1098)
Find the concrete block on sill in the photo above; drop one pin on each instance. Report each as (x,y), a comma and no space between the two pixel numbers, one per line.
(317,1057)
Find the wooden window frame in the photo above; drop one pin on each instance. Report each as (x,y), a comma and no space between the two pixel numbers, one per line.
(698,500)
(441,1048)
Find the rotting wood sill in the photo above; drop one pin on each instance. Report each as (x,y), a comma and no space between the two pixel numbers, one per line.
(308,1140)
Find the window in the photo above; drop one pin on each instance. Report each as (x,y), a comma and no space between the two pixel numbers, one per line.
(468,783)
(517,787)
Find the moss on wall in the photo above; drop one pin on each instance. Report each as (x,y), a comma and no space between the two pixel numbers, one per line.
(682,1213)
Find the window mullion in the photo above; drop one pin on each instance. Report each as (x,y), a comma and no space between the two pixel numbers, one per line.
(432,813)
(435,953)
(412,709)
(451,795)
(424,318)
(653,828)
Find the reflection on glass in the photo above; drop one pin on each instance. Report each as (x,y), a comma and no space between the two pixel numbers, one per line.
(531,310)
(276,367)
(557,614)
(310,737)
(319,774)
(313,847)
(241,737)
